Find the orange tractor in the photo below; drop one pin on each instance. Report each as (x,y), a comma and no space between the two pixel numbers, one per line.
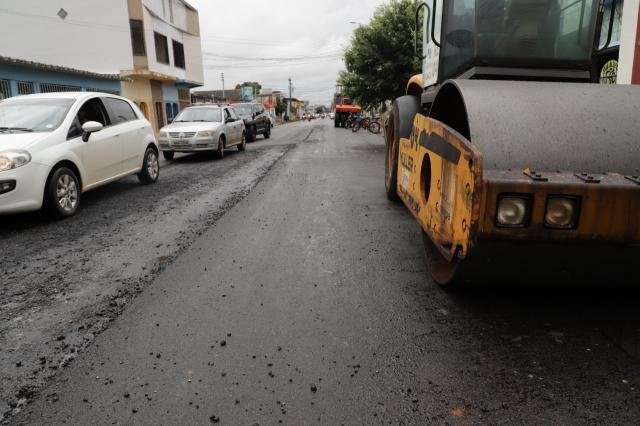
(342,108)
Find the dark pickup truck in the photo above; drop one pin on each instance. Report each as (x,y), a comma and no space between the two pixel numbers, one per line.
(255,119)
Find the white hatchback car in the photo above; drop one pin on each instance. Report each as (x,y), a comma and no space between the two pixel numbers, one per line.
(54,147)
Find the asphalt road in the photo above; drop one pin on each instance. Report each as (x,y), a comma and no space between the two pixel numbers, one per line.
(63,282)
(308,301)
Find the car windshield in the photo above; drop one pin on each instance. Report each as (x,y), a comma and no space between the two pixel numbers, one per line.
(199,114)
(33,115)
(243,109)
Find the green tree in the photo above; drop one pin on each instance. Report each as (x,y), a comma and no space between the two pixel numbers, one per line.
(319,109)
(380,59)
(281,107)
(256,86)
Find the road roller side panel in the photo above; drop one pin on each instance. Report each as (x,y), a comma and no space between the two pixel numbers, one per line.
(440,181)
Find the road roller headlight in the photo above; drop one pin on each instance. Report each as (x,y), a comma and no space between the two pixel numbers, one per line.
(513,211)
(561,212)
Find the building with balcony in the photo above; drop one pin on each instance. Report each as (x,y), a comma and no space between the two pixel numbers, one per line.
(167,57)
(146,50)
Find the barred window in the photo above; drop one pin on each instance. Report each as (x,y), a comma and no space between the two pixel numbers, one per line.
(52,87)
(137,37)
(5,89)
(25,87)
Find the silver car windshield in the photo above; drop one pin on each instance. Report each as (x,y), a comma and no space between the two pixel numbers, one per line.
(199,114)
(33,115)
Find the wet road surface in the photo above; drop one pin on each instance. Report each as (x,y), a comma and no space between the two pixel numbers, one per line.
(308,301)
(63,282)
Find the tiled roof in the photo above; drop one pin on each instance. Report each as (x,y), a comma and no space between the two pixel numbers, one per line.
(56,68)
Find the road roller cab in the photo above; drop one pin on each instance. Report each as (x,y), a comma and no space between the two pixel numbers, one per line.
(507,141)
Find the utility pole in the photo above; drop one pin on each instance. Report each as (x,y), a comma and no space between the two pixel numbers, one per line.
(289,102)
(224,98)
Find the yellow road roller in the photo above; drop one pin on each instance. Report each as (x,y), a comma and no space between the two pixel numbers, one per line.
(506,153)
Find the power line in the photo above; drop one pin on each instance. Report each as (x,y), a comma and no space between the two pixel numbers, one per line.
(330,54)
(127,29)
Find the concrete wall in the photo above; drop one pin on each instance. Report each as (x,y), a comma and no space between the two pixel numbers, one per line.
(193,58)
(171,11)
(95,35)
(157,19)
(629,43)
(138,90)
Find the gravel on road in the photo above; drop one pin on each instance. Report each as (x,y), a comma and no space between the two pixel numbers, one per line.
(63,282)
(309,301)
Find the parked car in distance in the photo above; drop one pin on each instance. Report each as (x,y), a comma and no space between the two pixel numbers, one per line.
(203,128)
(255,120)
(56,146)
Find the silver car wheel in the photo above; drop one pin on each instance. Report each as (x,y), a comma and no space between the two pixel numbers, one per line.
(67,192)
(152,164)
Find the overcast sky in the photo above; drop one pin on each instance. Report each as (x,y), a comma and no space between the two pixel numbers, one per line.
(241,38)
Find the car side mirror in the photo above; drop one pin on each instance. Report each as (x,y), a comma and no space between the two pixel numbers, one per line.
(229,120)
(90,127)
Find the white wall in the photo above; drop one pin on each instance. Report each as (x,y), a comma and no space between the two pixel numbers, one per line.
(627,41)
(193,58)
(95,35)
(151,25)
(154,21)
(161,9)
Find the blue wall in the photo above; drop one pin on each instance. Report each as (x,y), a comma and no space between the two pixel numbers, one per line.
(171,100)
(15,73)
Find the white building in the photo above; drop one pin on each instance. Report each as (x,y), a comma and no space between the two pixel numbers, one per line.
(146,50)
(167,57)
(66,44)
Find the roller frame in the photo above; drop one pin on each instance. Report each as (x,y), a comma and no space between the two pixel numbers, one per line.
(456,220)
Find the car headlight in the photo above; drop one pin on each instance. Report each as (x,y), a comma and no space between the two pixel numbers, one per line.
(162,134)
(512,211)
(205,134)
(13,159)
(561,212)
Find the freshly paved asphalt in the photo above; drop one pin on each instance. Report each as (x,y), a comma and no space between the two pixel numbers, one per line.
(309,302)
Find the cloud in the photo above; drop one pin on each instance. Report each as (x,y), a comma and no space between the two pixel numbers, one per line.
(246,39)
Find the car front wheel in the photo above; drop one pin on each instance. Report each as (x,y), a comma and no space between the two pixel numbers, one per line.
(62,193)
(253,133)
(219,153)
(150,167)
(168,155)
(243,143)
